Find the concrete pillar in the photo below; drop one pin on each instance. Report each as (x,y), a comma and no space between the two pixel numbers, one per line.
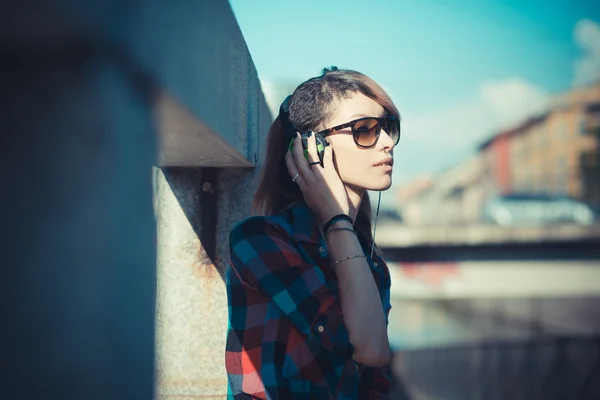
(77,291)
(191,299)
(188,293)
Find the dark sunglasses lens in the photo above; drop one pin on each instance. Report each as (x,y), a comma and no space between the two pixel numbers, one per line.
(392,128)
(365,131)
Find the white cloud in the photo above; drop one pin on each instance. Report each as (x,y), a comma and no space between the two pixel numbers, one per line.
(434,141)
(587,68)
(458,128)
(511,101)
(441,137)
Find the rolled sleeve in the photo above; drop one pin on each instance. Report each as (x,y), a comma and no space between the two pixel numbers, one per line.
(377,381)
(266,257)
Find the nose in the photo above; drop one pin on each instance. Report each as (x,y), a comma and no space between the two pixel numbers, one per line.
(386,140)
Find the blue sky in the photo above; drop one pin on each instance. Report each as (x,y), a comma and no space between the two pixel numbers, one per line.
(458,71)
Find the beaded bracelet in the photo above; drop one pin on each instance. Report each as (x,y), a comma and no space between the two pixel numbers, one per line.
(348,258)
(335,219)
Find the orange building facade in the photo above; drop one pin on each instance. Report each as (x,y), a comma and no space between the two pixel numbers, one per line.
(555,153)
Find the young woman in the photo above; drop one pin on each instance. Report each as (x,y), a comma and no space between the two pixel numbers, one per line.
(308,297)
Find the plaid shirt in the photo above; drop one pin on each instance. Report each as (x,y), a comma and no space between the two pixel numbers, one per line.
(286,338)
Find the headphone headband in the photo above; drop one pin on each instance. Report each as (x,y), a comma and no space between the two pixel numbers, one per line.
(290,130)
(284,116)
(284,108)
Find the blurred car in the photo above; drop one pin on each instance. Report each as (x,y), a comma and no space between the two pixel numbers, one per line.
(389,215)
(536,209)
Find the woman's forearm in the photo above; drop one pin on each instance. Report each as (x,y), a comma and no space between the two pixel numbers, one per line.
(360,301)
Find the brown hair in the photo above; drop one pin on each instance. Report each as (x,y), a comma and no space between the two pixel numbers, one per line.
(311,104)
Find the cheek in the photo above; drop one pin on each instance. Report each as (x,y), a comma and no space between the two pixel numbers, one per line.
(350,164)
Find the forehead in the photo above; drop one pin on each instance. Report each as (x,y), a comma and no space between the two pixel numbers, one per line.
(356,106)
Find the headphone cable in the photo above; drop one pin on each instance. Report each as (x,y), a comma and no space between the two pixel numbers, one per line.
(375,225)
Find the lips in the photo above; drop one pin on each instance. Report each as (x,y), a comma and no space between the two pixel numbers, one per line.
(389,162)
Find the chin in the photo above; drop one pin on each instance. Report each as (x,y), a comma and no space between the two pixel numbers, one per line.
(379,185)
(382,188)
(385,183)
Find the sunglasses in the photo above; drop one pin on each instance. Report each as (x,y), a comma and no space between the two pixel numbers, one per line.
(365,131)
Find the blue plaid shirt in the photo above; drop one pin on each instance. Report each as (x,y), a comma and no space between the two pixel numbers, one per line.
(286,337)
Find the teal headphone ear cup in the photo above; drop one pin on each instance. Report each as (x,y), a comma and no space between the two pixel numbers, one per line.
(321,144)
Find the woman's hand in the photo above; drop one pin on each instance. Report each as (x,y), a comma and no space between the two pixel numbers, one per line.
(323,190)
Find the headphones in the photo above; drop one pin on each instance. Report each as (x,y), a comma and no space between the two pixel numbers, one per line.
(290,130)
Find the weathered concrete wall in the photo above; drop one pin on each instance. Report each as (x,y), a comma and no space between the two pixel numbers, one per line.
(211,113)
(191,299)
(188,294)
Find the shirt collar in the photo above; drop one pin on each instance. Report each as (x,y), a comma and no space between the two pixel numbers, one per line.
(304,223)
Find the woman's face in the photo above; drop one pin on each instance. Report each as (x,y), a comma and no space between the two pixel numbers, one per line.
(360,168)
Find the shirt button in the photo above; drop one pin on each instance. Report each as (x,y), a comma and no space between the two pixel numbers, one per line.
(320,328)
(356,367)
(321,249)
(375,264)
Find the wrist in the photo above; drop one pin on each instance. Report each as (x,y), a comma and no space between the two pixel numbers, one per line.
(329,213)
(338,220)
(341,227)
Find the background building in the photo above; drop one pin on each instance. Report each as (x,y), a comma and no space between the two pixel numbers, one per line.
(453,197)
(552,154)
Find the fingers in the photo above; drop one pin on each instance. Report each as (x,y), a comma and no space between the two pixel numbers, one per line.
(299,158)
(313,154)
(291,163)
(296,163)
(295,174)
(328,157)
(297,150)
